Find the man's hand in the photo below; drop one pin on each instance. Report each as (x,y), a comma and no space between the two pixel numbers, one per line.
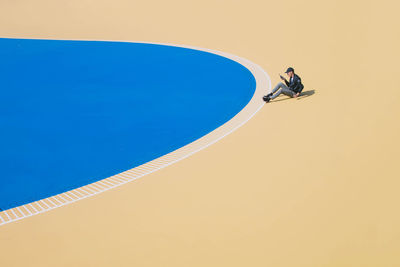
(296,95)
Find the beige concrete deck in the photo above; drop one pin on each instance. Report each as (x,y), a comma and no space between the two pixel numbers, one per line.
(306,182)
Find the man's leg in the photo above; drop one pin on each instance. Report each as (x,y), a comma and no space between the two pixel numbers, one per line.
(281,89)
(277,87)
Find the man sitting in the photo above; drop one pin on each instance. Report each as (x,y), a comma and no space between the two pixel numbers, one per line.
(291,88)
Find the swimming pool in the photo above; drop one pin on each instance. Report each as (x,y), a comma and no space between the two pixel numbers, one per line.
(76,112)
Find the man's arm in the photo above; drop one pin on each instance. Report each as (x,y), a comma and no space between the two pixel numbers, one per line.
(296,86)
(301,88)
(287,82)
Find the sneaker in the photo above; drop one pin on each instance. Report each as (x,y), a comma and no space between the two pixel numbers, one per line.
(267,98)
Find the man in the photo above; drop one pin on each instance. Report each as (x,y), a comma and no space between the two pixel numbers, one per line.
(291,88)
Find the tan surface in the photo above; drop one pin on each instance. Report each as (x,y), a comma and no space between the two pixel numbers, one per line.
(241,202)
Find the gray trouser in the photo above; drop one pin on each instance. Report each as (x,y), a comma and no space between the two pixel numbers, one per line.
(283,89)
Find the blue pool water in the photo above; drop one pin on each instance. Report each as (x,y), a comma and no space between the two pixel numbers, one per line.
(75,112)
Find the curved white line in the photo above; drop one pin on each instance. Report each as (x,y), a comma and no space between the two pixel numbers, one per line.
(263,84)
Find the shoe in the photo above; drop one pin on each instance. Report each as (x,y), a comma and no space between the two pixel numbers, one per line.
(267,98)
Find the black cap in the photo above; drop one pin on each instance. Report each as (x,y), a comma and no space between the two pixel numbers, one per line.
(289,70)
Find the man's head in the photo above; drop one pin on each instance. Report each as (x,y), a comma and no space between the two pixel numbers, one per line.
(290,72)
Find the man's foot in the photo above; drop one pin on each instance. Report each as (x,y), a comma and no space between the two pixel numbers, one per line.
(267,98)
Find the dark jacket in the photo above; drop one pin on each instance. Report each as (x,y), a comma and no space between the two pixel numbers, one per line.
(295,84)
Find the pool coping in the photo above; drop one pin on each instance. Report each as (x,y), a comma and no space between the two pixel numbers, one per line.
(263,85)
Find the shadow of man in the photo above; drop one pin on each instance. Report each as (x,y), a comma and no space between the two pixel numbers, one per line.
(301,96)
(306,94)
